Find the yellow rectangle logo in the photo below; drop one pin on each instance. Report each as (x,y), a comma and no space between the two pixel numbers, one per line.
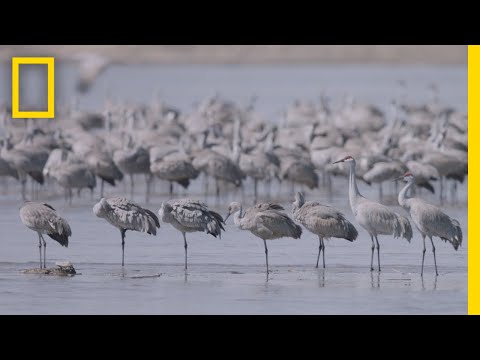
(16,113)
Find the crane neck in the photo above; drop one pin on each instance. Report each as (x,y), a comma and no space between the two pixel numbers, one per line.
(238,217)
(402,196)
(353,192)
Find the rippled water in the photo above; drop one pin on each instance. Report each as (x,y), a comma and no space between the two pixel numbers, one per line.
(227,276)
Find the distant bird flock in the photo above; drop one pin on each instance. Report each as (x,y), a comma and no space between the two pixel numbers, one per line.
(230,150)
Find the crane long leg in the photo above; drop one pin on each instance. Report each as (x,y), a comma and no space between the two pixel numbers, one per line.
(205,179)
(441,190)
(101,188)
(266,255)
(434,256)
(148,183)
(378,253)
(323,246)
(373,249)
(40,249)
(185,246)
(44,252)
(255,184)
(424,251)
(131,186)
(320,247)
(217,186)
(122,231)
(24,184)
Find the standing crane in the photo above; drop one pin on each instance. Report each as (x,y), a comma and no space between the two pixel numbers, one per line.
(126,215)
(188,215)
(265,221)
(429,220)
(377,219)
(322,220)
(43,219)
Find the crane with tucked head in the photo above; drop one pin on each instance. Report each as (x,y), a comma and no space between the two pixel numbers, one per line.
(187,215)
(266,221)
(126,215)
(429,219)
(322,220)
(377,219)
(44,219)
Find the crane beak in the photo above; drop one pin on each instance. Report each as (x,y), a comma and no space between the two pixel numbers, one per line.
(226,218)
(336,162)
(398,179)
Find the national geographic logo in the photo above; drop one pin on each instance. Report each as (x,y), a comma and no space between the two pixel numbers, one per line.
(50,112)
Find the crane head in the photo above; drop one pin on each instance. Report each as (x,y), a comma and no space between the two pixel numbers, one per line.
(408,176)
(346,159)
(232,209)
(299,200)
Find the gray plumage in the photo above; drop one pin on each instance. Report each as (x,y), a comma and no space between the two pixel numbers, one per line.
(74,176)
(429,220)
(26,160)
(384,171)
(376,218)
(424,173)
(44,219)
(218,166)
(103,166)
(188,215)
(299,171)
(260,165)
(126,215)
(58,158)
(322,220)
(175,168)
(134,161)
(265,221)
(7,170)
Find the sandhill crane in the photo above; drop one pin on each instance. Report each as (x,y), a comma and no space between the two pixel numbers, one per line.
(219,167)
(377,219)
(7,170)
(134,161)
(74,176)
(424,173)
(26,161)
(383,171)
(175,167)
(429,220)
(259,165)
(322,220)
(126,215)
(265,221)
(90,66)
(448,166)
(44,219)
(102,165)
(188,215)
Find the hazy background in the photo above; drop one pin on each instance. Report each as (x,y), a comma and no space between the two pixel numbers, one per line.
(242,54)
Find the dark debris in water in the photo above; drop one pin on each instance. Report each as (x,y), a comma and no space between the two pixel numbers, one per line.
(62,269)
(145,276)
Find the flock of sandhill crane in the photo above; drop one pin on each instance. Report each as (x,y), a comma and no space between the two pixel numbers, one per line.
(233,146)
(267,221)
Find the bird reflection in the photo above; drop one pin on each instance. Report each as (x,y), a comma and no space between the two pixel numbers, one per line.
(375,279)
